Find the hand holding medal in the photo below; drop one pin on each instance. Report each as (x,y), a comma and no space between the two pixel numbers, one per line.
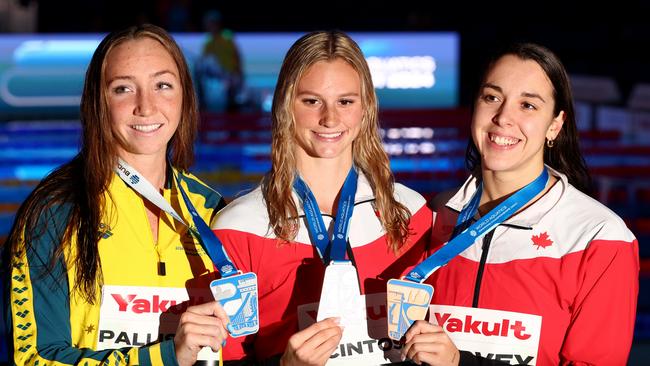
(340,294)
(235,291)
(408,300)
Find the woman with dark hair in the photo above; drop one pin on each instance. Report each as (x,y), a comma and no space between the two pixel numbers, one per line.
(554,279)
(100,259)
(330,178)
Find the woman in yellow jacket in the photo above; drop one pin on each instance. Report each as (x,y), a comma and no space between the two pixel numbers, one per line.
(100,263)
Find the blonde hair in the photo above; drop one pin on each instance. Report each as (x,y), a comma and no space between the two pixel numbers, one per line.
(368,154)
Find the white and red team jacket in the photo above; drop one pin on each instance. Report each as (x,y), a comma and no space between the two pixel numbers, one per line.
(291,274)
(566,258)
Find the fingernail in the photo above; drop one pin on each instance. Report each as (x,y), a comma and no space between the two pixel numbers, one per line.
(230,328)
(402,357)
(337,320)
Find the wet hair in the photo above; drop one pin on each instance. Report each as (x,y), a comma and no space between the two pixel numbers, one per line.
(80,185)
(367,150)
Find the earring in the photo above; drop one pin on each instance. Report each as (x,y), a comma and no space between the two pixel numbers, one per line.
(550,143)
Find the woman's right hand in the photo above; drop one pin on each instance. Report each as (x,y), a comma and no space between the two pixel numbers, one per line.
(429,343)
(314,344)
(200,326)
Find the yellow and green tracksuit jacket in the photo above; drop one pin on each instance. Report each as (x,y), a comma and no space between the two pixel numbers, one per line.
(49,324)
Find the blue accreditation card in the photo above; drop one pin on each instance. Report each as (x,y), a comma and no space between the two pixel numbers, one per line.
(238,296)
(407,302)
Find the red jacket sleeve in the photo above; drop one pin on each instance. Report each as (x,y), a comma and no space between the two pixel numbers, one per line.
(604,310)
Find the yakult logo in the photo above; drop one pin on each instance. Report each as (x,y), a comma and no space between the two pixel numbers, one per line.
(131,303)
(504,328)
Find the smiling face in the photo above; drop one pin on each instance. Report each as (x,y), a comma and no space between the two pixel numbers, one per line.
(144,96)
(328,111)
(513,117)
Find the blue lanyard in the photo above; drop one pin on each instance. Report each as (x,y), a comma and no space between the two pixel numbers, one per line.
(467,214)
(315,224)
(469,235)
(209,241)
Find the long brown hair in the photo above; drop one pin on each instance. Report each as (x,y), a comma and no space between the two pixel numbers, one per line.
(565,155)
(79,185)
(368,153)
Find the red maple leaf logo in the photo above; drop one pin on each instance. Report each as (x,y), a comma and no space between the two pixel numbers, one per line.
(542,240)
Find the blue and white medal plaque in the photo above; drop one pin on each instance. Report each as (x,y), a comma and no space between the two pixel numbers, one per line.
(238,297)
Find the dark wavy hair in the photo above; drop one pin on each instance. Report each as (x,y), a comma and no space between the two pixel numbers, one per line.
(565,155)
(80,184)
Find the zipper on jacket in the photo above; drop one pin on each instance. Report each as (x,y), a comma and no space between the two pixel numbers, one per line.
(487,239)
